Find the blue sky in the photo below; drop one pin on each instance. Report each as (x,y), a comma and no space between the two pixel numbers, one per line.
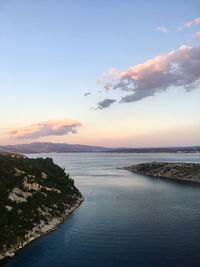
(52,52)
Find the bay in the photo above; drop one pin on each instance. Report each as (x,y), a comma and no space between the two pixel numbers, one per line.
(126,219)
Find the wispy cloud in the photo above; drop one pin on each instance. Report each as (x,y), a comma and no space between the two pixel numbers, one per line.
(197,35)
(46,128)
(192,23)
(194,36)
(99,80)
(189,24)
(180,28)
(163,29)
(87,93)
(177,68)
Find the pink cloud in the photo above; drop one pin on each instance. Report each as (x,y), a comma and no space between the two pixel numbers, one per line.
(46,128)
(194,36)
(192,23)
(162,29)
(197,34)
(107,85)
(177,68)
(189,24)
(99,80)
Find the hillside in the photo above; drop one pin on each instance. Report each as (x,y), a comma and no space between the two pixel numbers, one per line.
(178,171)
(48,147)
(36,195)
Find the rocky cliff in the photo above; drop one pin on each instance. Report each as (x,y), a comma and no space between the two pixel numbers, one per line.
(36,195)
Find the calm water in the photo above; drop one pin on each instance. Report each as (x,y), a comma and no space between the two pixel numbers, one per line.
(126,219)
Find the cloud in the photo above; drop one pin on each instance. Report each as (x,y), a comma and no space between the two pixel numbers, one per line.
(46,128)
(99,80)
(87,93)
(194,36)
(189,24)
(105,103)
(197,35)
(192,23)
(177,68)
(162,29)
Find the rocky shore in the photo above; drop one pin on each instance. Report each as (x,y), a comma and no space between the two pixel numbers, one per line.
(38,231)
(36,196)
(176,171)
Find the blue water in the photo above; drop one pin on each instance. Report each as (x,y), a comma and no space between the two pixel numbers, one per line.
(126,219)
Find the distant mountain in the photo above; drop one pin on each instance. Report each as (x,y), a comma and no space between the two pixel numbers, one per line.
(47,147)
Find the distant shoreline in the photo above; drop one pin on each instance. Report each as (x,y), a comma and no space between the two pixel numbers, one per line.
(48,147)
(154,152)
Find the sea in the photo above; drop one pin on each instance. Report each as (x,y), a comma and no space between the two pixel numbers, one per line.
(127,219)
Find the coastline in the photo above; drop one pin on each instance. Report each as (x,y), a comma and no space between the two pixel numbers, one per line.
(42,230)
(181,172)
(175,179)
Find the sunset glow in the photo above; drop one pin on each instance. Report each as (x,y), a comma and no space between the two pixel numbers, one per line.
(114,76)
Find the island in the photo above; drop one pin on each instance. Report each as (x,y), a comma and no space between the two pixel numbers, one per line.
(36,195)
(176,171)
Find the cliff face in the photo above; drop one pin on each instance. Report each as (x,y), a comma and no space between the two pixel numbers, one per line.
(179,171)
(36,195)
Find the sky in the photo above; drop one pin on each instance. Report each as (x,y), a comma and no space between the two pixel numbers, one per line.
(111,73)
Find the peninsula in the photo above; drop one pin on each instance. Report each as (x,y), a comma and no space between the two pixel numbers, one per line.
(36,196)
(176,171)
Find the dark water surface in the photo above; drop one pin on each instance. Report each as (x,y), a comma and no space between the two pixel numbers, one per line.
(125,220)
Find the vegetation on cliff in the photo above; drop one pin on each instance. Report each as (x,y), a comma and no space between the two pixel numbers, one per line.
(35,196)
